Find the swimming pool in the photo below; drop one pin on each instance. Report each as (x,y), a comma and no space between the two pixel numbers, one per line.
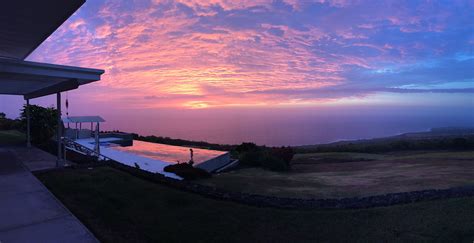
(154,157)
(169,153)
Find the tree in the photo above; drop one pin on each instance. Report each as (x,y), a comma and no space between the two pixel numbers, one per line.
(2,115)
(43,123)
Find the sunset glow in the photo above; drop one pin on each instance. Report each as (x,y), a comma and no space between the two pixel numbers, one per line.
(204,54)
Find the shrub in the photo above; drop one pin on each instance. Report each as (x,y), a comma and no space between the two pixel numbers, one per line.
(246,147)
(276,159)
(187,171)
(251,158)
(284,153)
(249,154)
(43,123)
(272,162)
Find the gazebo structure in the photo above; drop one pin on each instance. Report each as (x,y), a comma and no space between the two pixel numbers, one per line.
(78,132)
(24,25)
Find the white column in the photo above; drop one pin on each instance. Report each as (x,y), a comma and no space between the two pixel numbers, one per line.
(59,128)
(28,133)
(97,139)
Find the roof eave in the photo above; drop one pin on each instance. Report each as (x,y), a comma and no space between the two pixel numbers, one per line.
(67,77)
(55,27)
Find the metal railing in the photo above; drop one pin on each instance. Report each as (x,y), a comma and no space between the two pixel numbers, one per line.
(73,145)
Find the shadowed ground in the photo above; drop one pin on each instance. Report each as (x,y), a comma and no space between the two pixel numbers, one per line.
(28,211)
(119,207)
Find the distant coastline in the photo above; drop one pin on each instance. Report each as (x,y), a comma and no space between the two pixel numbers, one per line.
(430,133)
(436,135)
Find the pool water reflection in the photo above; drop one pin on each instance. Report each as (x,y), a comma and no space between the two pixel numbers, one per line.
(168,153)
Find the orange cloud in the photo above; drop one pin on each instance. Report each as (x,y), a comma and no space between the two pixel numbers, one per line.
(200,54)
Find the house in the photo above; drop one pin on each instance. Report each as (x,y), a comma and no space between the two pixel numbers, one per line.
(24,25)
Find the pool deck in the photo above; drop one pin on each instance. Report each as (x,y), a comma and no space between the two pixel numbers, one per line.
(28,211)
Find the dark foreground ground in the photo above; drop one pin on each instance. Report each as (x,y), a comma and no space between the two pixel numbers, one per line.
(119,207)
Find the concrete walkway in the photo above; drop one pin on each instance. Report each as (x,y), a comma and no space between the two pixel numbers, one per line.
(28,211)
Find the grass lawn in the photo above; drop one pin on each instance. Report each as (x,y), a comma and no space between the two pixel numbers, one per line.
(336,175)
(334,157)
(119,207)
(11,137)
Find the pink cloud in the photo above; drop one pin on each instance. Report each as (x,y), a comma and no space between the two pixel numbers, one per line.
(103,31)
(175,59)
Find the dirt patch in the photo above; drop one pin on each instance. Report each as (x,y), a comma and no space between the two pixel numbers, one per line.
(374,175)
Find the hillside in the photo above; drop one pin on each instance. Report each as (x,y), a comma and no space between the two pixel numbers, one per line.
(436,138)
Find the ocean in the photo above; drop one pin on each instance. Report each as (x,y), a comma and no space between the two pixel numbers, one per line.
(282,127)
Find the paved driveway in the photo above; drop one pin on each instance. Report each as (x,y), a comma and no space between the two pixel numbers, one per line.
(29,212)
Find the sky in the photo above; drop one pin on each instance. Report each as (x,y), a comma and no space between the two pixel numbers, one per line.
(229,54)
